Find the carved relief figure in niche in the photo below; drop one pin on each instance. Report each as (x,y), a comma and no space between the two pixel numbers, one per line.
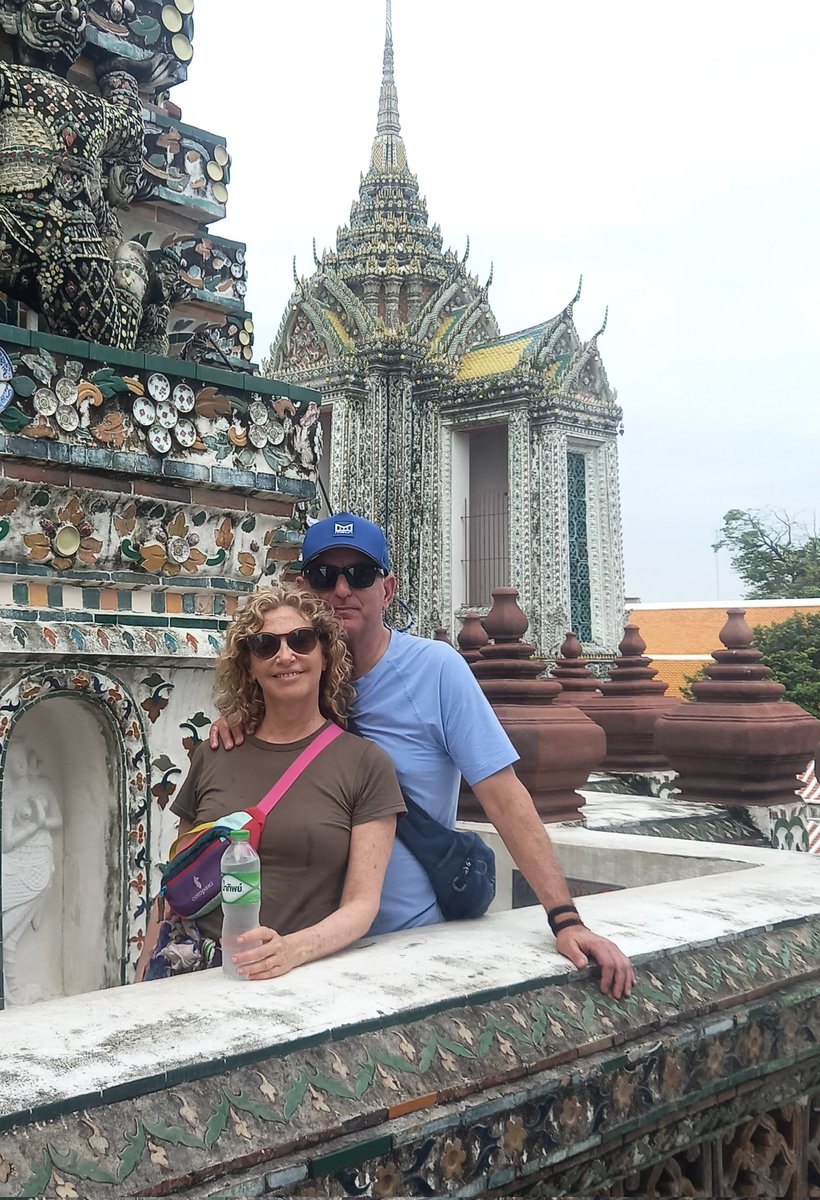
(31,815)
(307,439)
(67,159)
(304,345)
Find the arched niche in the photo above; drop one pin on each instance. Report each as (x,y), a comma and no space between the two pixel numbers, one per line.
(74,821)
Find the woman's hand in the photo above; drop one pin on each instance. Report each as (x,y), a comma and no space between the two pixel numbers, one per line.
(273,955)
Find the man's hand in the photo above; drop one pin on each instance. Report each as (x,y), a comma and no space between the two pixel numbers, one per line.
(226,735)
(579,944)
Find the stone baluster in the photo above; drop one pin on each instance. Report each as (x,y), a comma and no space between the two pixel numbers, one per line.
(558,745)
(577,681)
(629,706)
(738,741)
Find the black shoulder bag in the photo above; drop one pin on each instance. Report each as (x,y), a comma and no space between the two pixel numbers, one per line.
(459,864)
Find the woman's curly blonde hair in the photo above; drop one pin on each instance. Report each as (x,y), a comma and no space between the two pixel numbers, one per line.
(239,697)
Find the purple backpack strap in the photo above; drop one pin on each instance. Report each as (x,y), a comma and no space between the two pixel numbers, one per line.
(322,739)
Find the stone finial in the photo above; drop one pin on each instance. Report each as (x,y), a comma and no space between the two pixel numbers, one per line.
(631,672)
(441,635)
(571,647)
(506,621)
(558,746)
(506,667)
(738,672)
(577,681)
(738,742)
(629,706)
(471,637)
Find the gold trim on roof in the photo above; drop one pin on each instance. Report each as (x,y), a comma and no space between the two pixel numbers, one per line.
(446,323)
(492,360)
(338,325)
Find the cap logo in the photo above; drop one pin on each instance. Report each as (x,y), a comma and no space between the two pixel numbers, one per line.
(342,530)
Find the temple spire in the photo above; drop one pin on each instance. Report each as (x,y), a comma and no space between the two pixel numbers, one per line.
(388,146)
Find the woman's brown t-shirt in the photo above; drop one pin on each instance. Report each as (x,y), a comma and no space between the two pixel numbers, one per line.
(306,839)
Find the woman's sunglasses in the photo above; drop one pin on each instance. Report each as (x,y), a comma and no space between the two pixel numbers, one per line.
(322,576)
(266,645)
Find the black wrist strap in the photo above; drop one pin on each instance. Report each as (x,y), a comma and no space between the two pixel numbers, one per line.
(560,911)
(565,924)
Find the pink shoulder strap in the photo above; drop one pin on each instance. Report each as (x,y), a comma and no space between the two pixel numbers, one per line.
(322,739)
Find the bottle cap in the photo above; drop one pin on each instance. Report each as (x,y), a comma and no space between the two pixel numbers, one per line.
(240,835)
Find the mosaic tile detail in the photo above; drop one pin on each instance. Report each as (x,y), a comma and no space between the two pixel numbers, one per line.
(51,600)
(505,1154)
(732,828)
(113,635)
(789,828)
(203,419)
(511,1082)
(70,529)
(112,695)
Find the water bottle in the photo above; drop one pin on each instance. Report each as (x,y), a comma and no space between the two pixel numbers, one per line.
(241,894)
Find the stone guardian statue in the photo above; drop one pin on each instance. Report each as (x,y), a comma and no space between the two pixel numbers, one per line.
(68,159)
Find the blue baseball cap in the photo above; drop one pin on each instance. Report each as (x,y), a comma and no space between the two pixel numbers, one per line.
(346,529)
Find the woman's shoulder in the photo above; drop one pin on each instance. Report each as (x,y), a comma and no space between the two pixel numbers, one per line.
(363,751)
(204,755)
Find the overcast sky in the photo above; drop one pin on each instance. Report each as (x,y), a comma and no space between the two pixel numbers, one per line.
(669,153)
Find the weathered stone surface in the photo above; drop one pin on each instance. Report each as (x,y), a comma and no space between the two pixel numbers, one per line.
(447,1059)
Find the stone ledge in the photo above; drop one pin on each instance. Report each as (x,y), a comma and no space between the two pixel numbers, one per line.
(440,967)
(549,1064)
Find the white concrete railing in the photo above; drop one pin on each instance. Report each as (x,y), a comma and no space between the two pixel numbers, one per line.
(81,1044)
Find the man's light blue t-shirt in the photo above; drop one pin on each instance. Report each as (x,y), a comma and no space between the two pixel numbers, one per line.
(421,703)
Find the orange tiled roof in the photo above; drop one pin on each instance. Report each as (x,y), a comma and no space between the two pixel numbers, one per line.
(677,672)
(690,630)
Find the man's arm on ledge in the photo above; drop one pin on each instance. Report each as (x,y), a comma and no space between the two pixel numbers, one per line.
(509,807)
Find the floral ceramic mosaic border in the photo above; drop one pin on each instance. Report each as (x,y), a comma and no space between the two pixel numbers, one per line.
(135,413)
(506,1153)
(153,540)
(547,1073)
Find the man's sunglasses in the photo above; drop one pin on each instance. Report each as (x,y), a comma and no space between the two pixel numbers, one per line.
(322,576)
(266,645)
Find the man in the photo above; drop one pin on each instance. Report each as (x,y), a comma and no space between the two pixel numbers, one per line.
(419,701)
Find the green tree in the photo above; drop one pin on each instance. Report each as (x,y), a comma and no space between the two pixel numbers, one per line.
(792,650)
(773,553)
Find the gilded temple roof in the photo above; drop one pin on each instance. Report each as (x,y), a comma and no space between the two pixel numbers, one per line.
(389,275)
(499,355)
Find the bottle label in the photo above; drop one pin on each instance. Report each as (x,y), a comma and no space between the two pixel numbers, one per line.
(239,889)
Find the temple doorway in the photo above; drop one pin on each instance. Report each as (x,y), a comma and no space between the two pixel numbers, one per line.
(481,515)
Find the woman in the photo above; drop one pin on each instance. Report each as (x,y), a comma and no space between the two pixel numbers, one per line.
(325,846)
